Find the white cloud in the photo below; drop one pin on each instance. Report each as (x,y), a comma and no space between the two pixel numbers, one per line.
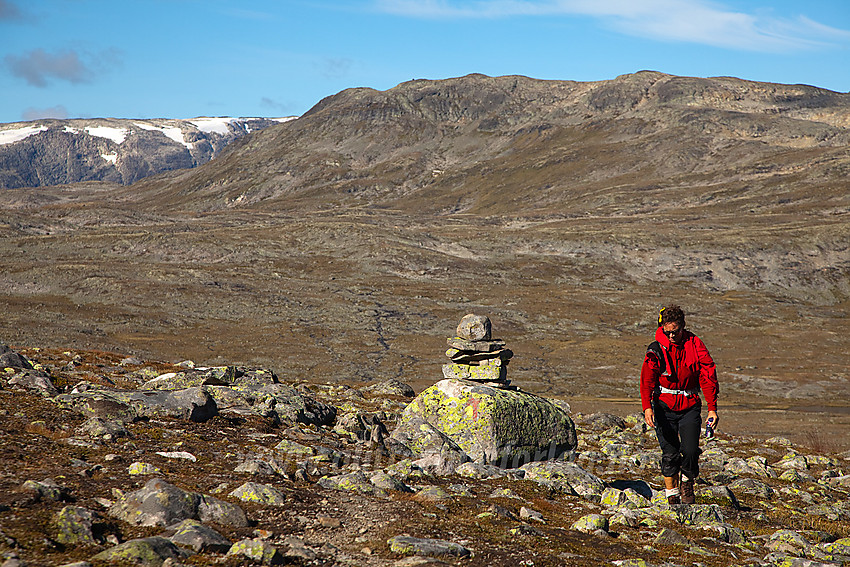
(691,21)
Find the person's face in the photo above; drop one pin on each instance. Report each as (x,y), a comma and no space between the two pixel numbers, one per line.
(674,332)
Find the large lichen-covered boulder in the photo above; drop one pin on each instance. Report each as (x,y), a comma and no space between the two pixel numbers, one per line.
(159,503)
(277,401)
(491,425)
(148,552)
(194,404)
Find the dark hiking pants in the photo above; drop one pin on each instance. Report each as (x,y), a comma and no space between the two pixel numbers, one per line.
(678,435)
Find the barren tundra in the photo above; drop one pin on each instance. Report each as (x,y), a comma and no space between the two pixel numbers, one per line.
(342,247)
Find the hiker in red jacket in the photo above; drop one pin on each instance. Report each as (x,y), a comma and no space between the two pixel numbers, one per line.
(676,366)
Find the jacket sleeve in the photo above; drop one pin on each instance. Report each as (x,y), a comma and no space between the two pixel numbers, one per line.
(707,375)
(649,374)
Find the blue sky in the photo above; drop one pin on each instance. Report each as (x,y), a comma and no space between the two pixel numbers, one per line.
(187,58)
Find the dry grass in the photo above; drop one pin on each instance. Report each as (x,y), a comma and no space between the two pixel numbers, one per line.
(819,443)
(41,428)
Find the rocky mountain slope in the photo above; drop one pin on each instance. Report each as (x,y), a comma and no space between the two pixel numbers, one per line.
(95,472)
(512,145)
(53,152)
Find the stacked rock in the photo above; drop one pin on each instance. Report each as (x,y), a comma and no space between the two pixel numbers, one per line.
(476,356)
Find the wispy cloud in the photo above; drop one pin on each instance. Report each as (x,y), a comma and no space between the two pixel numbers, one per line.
(335,68)
(57,111)
(10,11)
(39,67)
(691,21)
(270,103)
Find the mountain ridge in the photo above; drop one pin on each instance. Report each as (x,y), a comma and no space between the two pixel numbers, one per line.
(494,144)
(119,150)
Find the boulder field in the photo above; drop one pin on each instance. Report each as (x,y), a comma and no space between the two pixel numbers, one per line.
(113,460)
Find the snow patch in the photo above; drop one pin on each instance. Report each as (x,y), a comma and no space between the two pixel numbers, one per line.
(71,130)
(148,127)
(172,132)
(284,119)
(210,124)
(177,135)
(113,157)
(18,134)
(117,135)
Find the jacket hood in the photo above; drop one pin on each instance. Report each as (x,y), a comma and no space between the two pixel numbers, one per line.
(664,341)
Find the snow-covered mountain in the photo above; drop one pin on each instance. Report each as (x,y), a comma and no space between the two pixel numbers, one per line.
(51,151)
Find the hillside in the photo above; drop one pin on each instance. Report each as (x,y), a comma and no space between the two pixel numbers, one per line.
(513,145)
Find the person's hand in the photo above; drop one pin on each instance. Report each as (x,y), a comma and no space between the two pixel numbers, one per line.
(649,417)
(712,415)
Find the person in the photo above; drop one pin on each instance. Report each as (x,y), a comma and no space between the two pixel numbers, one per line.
(676,366)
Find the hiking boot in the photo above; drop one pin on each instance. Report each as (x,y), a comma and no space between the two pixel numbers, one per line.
(673,500)
(687,488)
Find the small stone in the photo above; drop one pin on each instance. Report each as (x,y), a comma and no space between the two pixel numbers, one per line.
(475,373)
(139,468)
(298,549)
(261,493)
(105,502)
(406,545)
(474,328)
(792,461)
(591,523)
(496,358)
(255,466)
(390,386)
(432,494)
(328,521)
(46,489)
(505,493)
(177,455)
(671,537)
(257,550)
(529,514)
(475,346)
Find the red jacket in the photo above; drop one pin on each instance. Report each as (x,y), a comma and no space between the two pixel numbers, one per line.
(690,367)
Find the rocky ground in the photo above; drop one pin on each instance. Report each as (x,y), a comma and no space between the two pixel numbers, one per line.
(327,491)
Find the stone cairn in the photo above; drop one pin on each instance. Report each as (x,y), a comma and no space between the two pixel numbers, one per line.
(477,357)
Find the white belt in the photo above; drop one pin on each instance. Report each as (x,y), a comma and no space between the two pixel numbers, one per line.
(686,393)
